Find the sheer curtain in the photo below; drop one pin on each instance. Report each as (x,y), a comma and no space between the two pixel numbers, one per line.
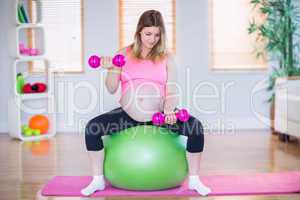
(231,48)
(63,23)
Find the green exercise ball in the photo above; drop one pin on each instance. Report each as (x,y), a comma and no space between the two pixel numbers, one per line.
(145,158)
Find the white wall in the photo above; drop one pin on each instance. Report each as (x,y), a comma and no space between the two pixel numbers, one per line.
(5,63)
(83,96)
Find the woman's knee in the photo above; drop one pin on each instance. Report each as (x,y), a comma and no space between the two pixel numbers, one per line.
(193,127)
(195,142)
(93,128)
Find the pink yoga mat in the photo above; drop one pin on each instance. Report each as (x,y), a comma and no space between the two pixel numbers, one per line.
(254,184)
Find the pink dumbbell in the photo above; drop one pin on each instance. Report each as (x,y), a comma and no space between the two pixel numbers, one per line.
(28,51)
(24,50)
(34,52)
(118,60)
(159,118)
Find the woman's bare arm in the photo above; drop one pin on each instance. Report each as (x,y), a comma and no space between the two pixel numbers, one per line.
(172,86)
(112,80)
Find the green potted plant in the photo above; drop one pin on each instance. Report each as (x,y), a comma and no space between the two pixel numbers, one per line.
(279,33)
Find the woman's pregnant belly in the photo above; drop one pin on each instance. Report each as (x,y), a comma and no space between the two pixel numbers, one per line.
(141,99)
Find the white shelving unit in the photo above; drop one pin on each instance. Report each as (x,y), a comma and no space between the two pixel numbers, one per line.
(37,12)
(21,107)
(38,38)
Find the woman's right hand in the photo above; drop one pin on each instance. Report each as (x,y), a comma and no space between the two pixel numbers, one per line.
(106,62)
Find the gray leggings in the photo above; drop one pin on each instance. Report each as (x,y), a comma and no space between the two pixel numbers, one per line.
(117,120)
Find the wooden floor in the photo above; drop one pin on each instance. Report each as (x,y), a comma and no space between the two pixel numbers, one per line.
(26,166)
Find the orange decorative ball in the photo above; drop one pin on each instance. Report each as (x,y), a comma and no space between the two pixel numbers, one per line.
(40,122)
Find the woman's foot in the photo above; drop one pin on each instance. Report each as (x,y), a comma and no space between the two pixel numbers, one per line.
(196,184)
(97,183)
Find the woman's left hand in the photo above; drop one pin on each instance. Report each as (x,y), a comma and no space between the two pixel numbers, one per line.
(170,118)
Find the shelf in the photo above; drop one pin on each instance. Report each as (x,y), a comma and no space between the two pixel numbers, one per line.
(29,25)
(28,49)
(23,66)
(30,58)
(32,36)
(21,113)
(31,109)
(35,15)
(39,137)
(33,96)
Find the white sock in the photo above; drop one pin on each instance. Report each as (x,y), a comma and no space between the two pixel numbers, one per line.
(97,183)
(196,184)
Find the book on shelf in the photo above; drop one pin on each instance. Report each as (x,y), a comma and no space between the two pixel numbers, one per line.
(22,14)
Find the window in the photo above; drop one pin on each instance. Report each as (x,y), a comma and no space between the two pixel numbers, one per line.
(63,22)
(231,48)
(131,10)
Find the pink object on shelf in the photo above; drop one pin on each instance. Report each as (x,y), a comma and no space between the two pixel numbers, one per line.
(243,184)
(21,46)
(23,49)
(25,52)
(33,52)
(28,51)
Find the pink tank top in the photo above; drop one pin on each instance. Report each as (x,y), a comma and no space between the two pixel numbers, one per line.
(136,72)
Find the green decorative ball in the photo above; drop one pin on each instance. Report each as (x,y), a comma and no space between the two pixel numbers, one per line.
(27,132)
(36,132)
(24,127)
(145,158)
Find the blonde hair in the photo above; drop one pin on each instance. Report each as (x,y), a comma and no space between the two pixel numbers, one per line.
(147,19)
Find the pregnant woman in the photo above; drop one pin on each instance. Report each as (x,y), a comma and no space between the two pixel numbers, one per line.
(147,83)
